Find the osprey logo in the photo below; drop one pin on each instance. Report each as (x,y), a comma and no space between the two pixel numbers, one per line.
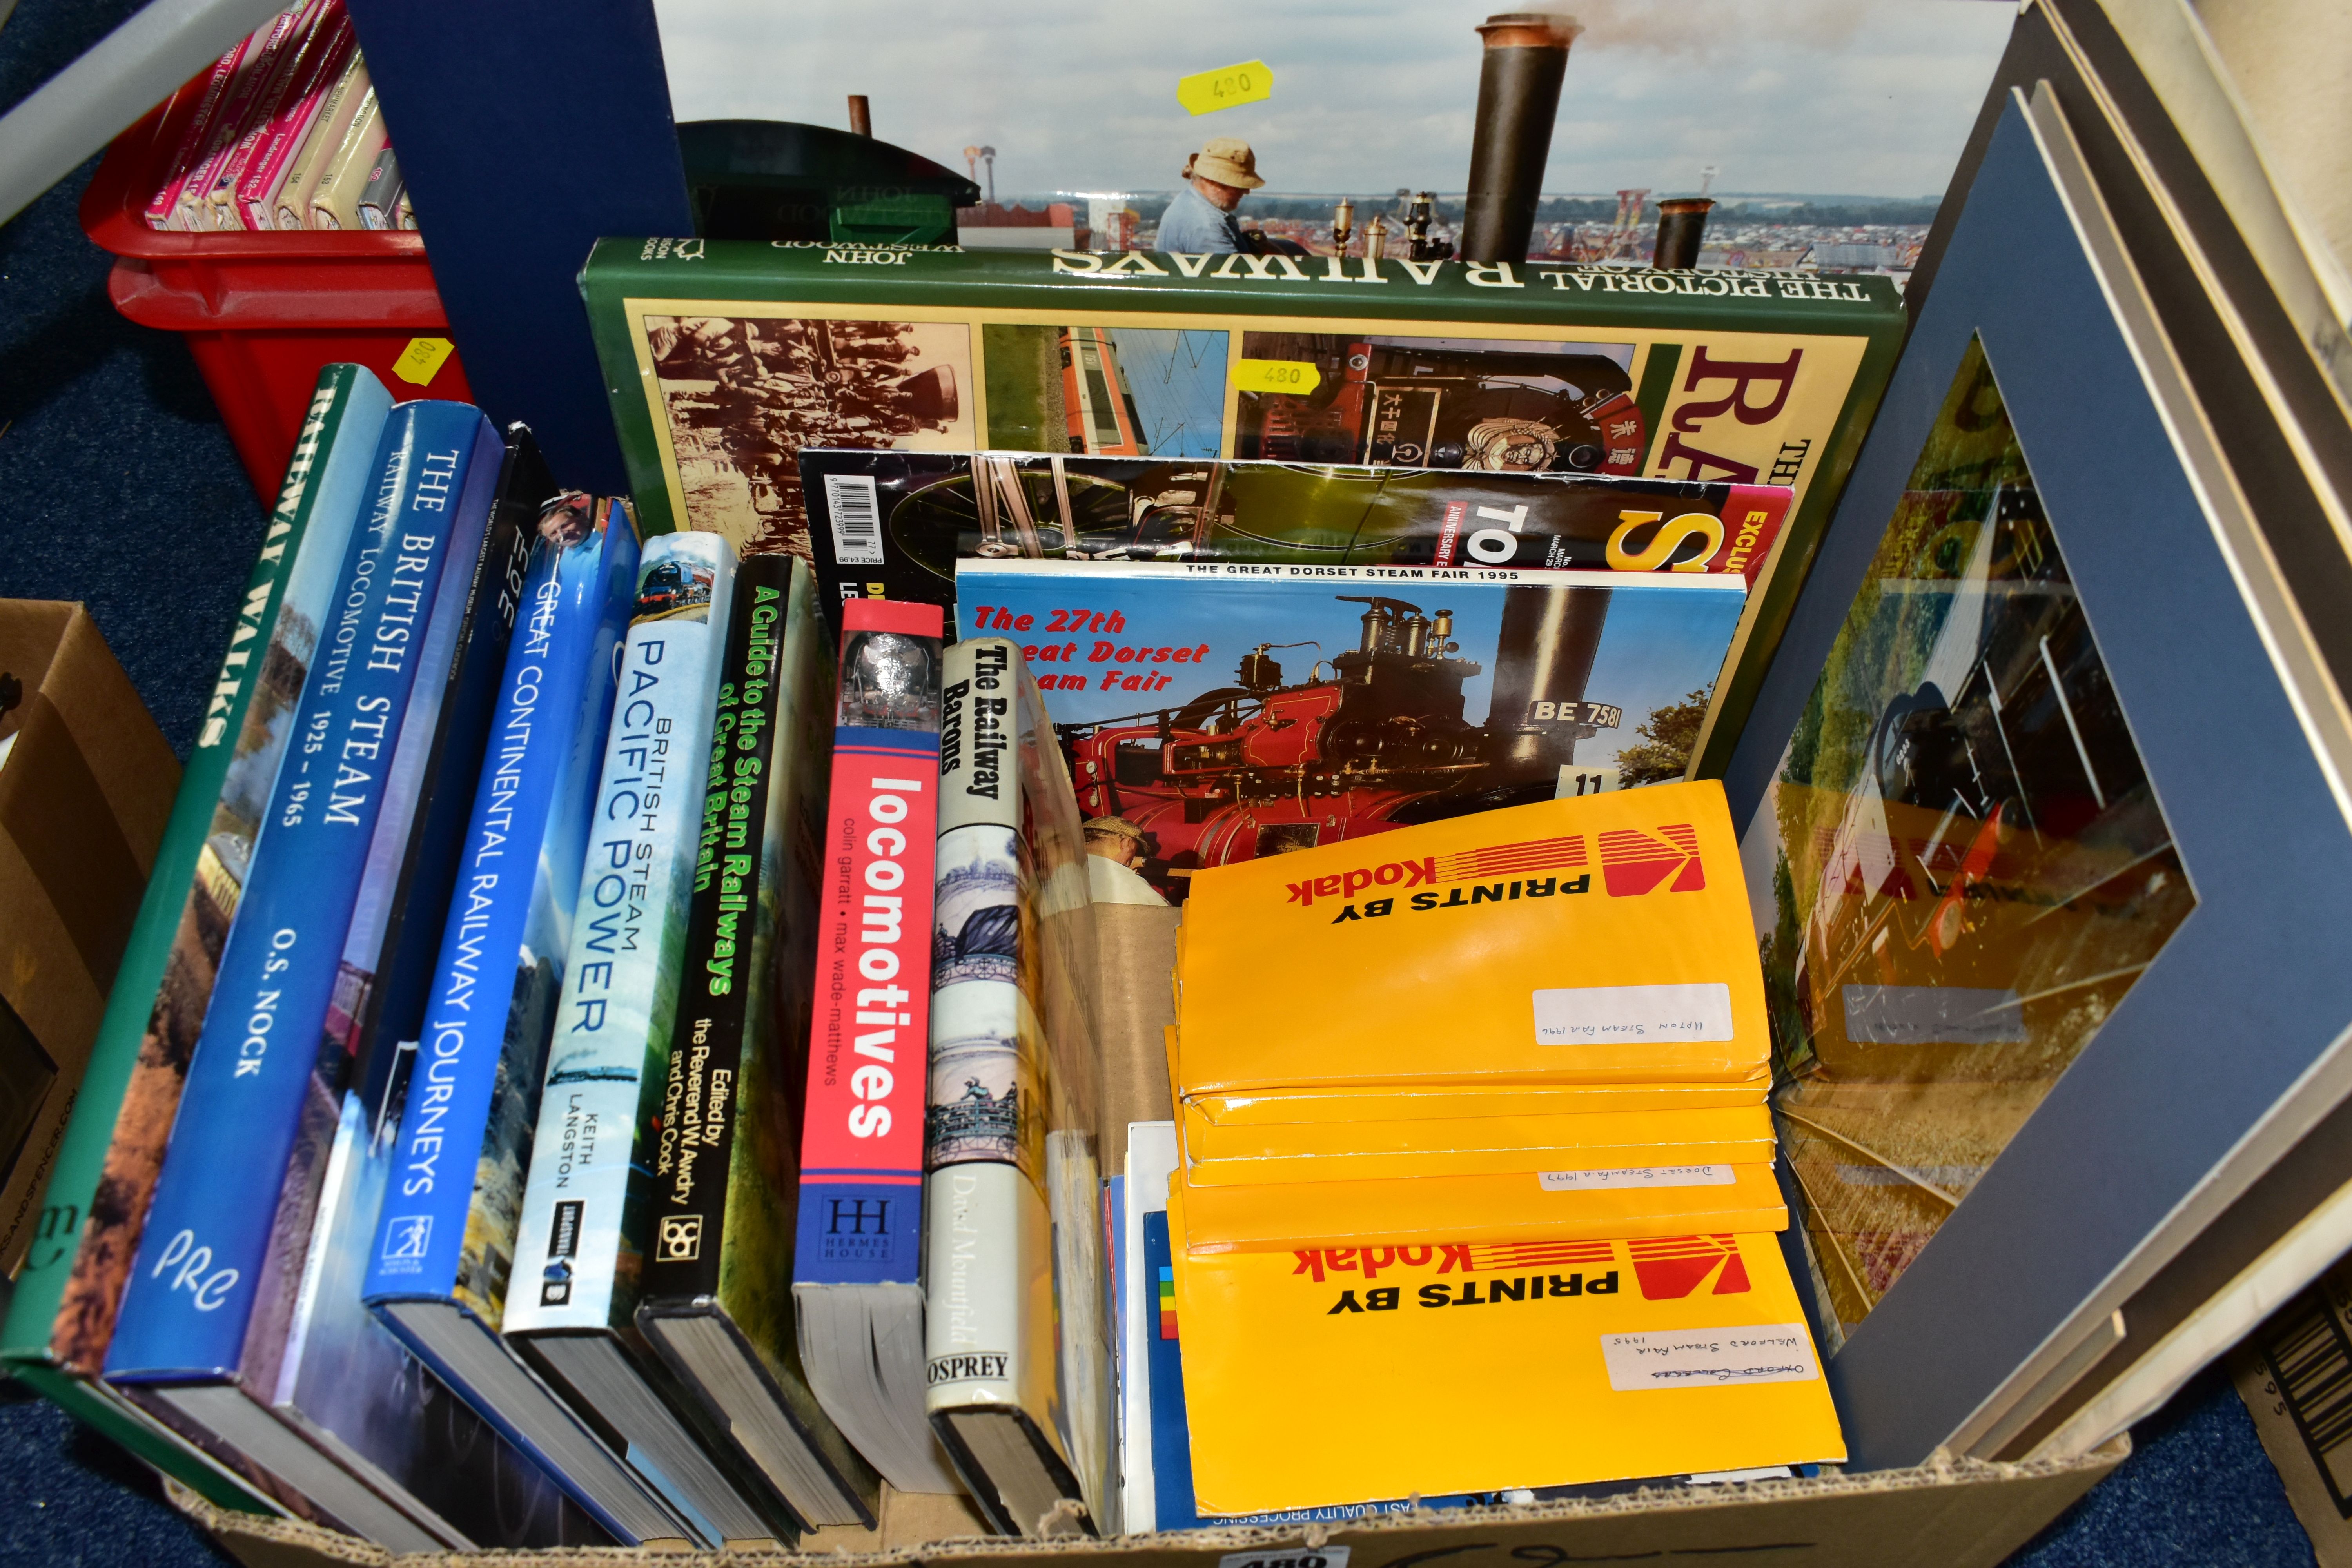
(1632,862)
(1670,1268)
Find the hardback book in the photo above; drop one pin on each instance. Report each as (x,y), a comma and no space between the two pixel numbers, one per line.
(255,69)
(725,358)
(379,203)
(575,1262)
(221,210)
(1016,1323)
(1230,712)
(1681,1355)
(337,109)
(334,201)
(345,877)
(717,1125)
(857,1269)
(61,1316)
(328,54)
(201,113)
(348,1385)
(895,523)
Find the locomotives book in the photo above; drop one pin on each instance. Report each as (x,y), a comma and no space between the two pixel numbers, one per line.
(724,359)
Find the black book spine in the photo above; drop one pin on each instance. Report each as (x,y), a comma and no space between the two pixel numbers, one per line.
(691,1119)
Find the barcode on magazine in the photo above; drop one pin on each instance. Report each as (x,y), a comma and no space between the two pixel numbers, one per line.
(2310,1361)
(856,519)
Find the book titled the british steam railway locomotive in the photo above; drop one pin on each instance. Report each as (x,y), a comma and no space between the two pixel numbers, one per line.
(1230,712)
(886,523)
(725,358)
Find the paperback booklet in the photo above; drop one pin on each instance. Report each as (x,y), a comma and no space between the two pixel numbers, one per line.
(858,1259)
(573,1255)
(1020,1386)
(717,1122)
(1227,713)
(204,1318)
(894,524)
(726,358)
(61,1316)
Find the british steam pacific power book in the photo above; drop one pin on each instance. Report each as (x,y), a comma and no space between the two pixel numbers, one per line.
(1538,1364)
(724,359)
(572,1256)
(61,1317)
(717,1128)
(857,1262)
(202,1274)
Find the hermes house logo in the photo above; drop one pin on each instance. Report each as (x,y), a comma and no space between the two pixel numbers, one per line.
(1670,1268)
(1632,862)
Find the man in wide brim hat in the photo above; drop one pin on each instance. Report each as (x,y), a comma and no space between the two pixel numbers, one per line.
(1200,221)
(1116,852)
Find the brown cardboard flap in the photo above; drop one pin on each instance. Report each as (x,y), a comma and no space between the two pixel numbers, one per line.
(1960,1515)
(1137,943)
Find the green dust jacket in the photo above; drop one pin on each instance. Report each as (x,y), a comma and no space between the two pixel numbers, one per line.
(723,359)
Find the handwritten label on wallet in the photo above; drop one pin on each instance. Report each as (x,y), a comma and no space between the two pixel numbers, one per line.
(1635,1176)
(1616,1014)
(1687,1358)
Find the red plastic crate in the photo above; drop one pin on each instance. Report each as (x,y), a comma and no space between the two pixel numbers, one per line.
(262,311)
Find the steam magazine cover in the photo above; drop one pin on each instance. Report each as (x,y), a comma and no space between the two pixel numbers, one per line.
(893,524)
(1229,711)
(724,359)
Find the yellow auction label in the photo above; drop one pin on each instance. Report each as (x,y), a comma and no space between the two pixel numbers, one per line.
(422,360)
(1208,91)
(1275,375)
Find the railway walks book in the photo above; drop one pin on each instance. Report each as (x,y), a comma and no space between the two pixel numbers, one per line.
(718,1127)
(610,1018)
(1677,1355)
(724,359)
(219,1258)
(61,1316)
(857,1269)
(895,523)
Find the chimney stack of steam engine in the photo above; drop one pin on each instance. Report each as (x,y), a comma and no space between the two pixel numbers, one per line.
(1519,99)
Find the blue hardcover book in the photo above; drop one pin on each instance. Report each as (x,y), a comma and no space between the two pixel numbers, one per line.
(344,1382)
(204,1273)
(446,1234)
(619,980)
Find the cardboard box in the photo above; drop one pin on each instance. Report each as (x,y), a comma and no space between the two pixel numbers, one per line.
(1967,1514)
(84,793)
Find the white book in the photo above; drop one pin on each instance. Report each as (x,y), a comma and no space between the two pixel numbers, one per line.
(1151,1161)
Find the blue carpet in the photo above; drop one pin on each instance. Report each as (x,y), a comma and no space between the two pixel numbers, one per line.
(118,487)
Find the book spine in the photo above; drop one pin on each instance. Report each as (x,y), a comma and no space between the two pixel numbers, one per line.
(988,1320)
(326,133)
(380,198)
(194,1284)
(325,56)
(71,1282)
(449,1222)
(577,1263)
(165,199)
(403,893)
(253,74)
(860,1217)
(221,210)
(333,205)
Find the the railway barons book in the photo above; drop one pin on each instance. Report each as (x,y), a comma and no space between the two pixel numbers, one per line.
(718,1129)
(620,972)
(61,1316)
(203,1317)
(895,523)
(1679,1355)
(1020,1381)
(857,1272)
(724,359)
